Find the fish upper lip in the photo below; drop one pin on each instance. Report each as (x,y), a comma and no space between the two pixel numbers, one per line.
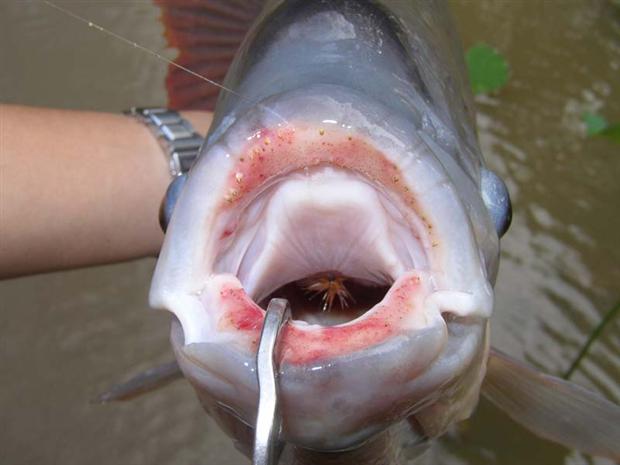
(405,308)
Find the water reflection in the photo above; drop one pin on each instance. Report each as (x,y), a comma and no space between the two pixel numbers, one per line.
(559,270)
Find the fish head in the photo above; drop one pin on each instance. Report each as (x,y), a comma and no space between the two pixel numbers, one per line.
(379,238)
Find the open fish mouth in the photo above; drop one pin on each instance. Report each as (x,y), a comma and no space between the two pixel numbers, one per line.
(354,219)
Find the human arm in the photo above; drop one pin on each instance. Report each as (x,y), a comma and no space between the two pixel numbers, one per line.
(78,188)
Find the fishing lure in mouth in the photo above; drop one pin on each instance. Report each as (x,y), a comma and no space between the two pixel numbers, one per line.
(330,286)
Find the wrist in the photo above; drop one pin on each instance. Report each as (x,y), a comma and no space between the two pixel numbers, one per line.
(200,120)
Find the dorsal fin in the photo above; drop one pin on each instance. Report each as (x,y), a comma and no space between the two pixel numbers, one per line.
(207,34)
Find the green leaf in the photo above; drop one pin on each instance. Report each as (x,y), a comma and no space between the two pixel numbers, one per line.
(611,132)
(488,70)
(595,124)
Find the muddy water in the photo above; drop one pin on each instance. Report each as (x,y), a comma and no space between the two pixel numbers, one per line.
(64,337)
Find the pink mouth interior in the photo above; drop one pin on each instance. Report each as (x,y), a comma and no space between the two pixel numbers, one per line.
(273,152)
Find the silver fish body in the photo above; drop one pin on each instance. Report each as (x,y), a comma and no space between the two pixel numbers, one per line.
(347,144)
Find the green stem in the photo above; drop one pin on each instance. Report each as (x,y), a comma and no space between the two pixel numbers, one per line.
(611,313)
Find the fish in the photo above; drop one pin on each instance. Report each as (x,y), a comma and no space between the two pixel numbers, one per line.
(343,159)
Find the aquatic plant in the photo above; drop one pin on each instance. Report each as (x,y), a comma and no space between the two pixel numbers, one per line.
(597,125)
(488,69)
(594,335)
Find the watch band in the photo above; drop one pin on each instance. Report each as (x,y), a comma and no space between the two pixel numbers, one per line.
(176,135)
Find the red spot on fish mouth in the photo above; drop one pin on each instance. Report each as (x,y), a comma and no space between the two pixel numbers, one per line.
(300,344)
(241,312)
(272,152)
(226,233)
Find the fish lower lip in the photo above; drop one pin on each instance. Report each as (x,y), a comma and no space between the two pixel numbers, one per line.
(321,392)
(237,318)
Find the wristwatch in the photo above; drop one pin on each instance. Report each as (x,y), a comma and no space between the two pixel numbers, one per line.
(175,134)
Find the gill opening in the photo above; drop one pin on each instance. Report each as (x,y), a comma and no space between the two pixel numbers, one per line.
(153,53)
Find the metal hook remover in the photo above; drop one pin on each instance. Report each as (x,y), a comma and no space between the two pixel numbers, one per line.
(268,418)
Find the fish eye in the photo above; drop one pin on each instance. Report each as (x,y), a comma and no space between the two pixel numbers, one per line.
(497,200)
(170,199)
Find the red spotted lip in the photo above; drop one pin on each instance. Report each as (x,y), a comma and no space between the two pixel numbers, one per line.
(400,310)
(274,151)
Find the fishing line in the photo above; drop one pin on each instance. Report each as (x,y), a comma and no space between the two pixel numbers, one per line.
(158,56)
(136,45)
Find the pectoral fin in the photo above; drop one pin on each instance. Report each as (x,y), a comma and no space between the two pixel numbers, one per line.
(553,408)
(142,383)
